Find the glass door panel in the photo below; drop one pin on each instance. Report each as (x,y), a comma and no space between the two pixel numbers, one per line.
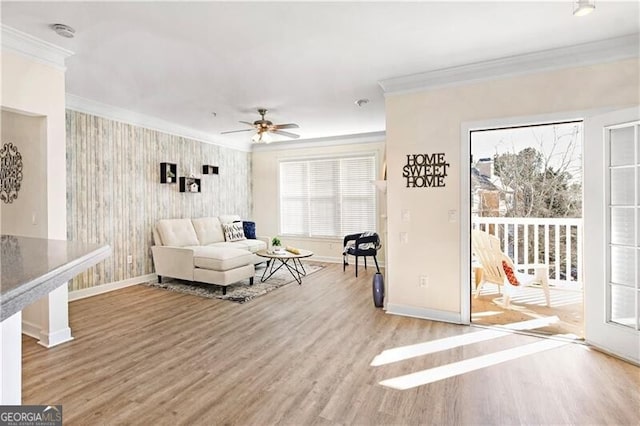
(623,212)
(623,226)
(622,146)
(622,186)
(623,306)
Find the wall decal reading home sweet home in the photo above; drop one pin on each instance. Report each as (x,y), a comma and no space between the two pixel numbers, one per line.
(425,170)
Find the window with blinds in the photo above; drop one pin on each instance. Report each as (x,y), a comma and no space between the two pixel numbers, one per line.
(328,197)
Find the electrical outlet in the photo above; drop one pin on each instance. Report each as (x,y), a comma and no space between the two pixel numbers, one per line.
(129,259)
(424,281)
(404,237)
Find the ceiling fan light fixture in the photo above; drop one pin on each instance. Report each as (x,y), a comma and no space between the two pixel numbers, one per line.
(264,128)
(261,137)
(584,7)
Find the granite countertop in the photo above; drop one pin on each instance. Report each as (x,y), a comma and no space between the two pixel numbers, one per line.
(33,267)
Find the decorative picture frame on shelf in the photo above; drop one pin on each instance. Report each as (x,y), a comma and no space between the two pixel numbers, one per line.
(190,184)
(168,172)
(209,170)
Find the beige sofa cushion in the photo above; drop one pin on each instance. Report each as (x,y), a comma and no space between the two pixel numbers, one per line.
(177,232)
(220,259)
(251,245)
(223,277)
(208,230)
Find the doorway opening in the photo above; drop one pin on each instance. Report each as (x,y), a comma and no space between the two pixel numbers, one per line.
(526,227)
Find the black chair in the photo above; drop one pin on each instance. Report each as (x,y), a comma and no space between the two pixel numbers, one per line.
(363,245)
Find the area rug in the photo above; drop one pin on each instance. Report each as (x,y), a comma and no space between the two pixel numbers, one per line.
(239,292)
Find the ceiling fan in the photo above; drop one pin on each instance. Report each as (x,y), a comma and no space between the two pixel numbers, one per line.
(264,127)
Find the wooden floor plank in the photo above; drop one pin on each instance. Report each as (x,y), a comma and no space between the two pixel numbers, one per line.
(301,355)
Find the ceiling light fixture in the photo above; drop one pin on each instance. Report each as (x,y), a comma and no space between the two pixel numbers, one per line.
(63,30)
(584,7)
(261,137)
(361,102)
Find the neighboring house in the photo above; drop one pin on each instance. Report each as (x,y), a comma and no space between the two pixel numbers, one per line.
(488,194)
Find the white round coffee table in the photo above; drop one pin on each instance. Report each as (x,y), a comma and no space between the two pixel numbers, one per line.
(288,259)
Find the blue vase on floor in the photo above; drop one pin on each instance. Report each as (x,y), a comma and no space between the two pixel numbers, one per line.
(378,290)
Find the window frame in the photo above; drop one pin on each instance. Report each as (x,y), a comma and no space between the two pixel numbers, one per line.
(321,157)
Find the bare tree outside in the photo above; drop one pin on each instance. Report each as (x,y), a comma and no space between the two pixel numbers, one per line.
(544,180)
(531,172)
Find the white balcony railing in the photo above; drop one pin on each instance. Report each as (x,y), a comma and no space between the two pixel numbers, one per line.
(554,242)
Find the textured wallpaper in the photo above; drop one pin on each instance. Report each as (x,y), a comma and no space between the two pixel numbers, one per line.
(114,194)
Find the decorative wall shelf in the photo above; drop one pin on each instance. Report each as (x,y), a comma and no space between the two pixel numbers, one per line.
(189,184)
(209,170)
(168,173)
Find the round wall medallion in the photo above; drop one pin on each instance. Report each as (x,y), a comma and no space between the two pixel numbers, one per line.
(10,172)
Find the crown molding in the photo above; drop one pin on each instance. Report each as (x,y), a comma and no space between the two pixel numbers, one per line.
(609,50)
(88,106)
(354,139)
(34,48)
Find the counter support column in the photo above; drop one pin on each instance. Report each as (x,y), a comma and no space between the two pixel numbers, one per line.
(11,360)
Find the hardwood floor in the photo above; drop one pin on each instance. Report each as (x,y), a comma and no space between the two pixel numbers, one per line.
(301,355)
(529,303)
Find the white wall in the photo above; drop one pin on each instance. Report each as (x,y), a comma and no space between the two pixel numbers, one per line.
(430,122)
(35,88)
(265,166)
(27,214)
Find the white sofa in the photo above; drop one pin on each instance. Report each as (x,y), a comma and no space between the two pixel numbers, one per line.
(196,250)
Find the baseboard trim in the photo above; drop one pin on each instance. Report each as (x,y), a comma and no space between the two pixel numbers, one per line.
(56,338)
(30,329)
(325,259)
(423,313)
(47,340)
(331,259)
(106,288)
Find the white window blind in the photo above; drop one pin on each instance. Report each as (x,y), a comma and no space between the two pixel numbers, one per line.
(329,197)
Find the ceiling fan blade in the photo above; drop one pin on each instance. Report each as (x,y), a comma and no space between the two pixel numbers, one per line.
(236,131)
(287,134)
(246,122)
(286,126)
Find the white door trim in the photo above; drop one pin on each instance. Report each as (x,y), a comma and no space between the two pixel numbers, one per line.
(465,165)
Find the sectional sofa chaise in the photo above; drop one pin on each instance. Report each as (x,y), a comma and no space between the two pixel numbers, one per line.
(209,249)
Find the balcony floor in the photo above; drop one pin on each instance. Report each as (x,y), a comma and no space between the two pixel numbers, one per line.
(528,304)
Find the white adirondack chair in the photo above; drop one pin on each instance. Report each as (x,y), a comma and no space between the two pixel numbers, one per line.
(486,248)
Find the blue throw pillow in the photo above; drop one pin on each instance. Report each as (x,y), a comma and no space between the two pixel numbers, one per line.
(249,230)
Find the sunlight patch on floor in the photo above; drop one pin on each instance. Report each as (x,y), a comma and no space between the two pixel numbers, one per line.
(431,375)
(407,352)
(485,314)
